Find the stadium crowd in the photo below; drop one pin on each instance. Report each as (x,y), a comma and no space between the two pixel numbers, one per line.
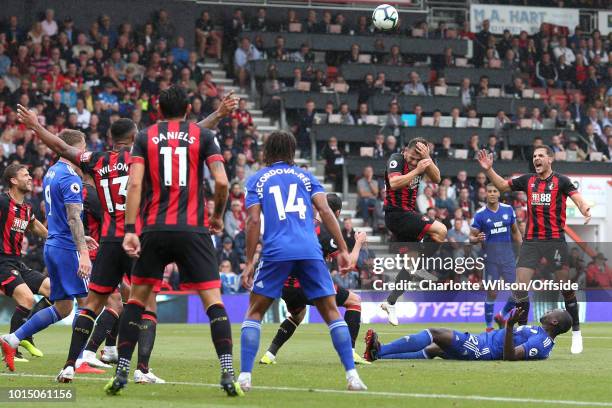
(85,78)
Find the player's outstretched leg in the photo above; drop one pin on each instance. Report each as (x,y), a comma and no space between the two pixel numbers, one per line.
(389,305)
(341,338)
(571,305)
(352,317)
(414,343)
(502,316)
(43,303)
(284,333)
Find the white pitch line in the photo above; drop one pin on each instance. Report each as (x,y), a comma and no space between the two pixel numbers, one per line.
(366,393)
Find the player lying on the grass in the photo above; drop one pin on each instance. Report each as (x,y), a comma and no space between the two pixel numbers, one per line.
(494,226)
(287,196)
(66,249)
(296,300)
(16,279)
(521,343)
(547,192)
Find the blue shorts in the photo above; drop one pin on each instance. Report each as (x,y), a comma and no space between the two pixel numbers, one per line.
(63,266)
(313,275)
(498,270)
(467,346)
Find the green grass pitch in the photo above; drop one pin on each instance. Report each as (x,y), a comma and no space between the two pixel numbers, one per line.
(309,374)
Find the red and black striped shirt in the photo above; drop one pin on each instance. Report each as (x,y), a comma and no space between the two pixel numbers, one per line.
(545,204)
(174,154)
(110,171)
(92,215)
(403,199)
(15,218)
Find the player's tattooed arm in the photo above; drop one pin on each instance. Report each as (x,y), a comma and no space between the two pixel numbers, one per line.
(512,353)
(485,159)
(30,120)
(227,106)
(217,171)
(38,229)
(73,215)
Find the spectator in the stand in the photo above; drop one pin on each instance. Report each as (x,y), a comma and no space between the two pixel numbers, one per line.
(260,21)
(483,86)
(481,42)
(341,21)
(348,232)
(394,57)
(362,26)
(444,149)
(345,115)
(516,88)
(227,253)
(593,118)
(465,203)
(393,119)
(462,182)
(323,26)
(599,274)
(414,85)
(556,145)
(473,146)
(353,56)
(304,127)
(362,114)
(230,281)
(235,219)
(562,49)
(278,52)
(501,120)
(163,26)
(303,55)
(425,200)
(206,36)
(594,142)
(243,55)
(443,200)
(381,82)
(391,146)
(457,238)
(467,93)
(334,160)
(379,146)
(591,85)
(575,146)
(546,72)
(493,147)
(311,25)
(319,82)
(368,198)
(367,89)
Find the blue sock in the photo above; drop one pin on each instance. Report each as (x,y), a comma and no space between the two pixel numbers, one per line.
(415,342)
(342,343)
(489,311)
(39,321)
(249,344)
(413,355)
(510,304)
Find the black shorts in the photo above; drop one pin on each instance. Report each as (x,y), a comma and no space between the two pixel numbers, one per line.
(296,300)
(109,267)
(532,252)
(13,273)
(407,226)
(193,253)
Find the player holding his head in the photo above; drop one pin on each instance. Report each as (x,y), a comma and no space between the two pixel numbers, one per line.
(66,249)
(167,173)
(404,172)
(285,194)
(522,343)
(494,226)
(296,300)
(16,279)
(547,192)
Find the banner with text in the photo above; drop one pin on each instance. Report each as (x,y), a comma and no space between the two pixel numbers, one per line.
(517,19)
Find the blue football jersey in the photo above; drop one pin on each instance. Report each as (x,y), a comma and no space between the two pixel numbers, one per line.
(61,186)
(533,339)
(497,226)
(285,194)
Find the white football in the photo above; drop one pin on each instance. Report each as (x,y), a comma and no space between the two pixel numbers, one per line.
(385,17)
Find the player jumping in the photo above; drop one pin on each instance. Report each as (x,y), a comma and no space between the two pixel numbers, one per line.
(402,177)
(296,300)
(167,171)
(547,192)
(285,195)
(494,226)
(66,249)
(512,344)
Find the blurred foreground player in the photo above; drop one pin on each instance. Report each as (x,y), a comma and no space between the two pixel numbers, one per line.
(547,192)
(285,195)
(522,343)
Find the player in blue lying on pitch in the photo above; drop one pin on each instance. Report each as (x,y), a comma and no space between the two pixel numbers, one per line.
(285,195)
(495,227)
(521,343)
(66,249)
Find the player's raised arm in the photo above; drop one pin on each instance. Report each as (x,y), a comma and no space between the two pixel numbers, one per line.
(217,171)
(227,106)
(30,120)
(398,181)
(360,240)
(486,162)
(331,223)
(512,353)
(432,171)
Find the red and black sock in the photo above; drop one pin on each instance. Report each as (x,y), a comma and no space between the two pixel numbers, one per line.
(108,318)
(402,276)
(221,332)
(129,330)
(82,328)
(284,333)
(20,316)
(146,339)
(352,317)
(571,305)
(111,337)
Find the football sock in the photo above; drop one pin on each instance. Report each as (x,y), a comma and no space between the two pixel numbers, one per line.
(129,330)
(146,339)
(111,336)
(37,322)
(571,305)
(489,311)
(403,275)
(352,317)
(341,338)
(414,342)
(249,344)
(43,303)
(104,325)
(83,326)
(412,355)
(221,333)
(284,333)
(20,316)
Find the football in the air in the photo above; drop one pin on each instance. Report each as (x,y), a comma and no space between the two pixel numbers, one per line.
(385,17)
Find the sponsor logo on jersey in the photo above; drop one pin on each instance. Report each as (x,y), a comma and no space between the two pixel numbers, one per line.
(75,188)
(393,164)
